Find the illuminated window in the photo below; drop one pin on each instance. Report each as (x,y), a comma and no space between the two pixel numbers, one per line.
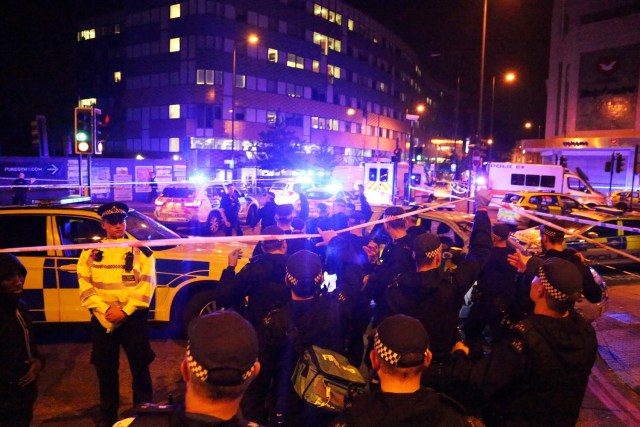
(87,102)
(333,71)
(117,76)
(241,81)
(272,117)
(174,145)
(174,45)
(208,77)
(174,111)
(174,11)
(295,61)
(87,34)
(272,55)
(350,24)
(315,66)
(314,122)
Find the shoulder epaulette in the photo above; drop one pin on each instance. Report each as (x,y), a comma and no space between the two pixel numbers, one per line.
(521,328)
(517,345)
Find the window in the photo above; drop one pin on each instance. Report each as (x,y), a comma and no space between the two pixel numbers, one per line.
(315,66)
(117,77)
(333,71)
(241,81)
(548,181)
(174,44)
(37,235)
(174,145)
(577,184)
(295,61)
(604,231)
(350,24)
(272,117)
(517,179)
(272,55)
(532,180)
(174,111)
(87,34)
(174,11)
(76,230)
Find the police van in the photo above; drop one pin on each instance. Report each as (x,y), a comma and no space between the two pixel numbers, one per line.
(186,274)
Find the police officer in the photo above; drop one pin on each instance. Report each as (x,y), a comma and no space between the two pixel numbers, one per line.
(116,285)
(400,354)
(266,214)
(538,376)
(261,283)
(21,362)
(230,205)
(221,362)
(433,295)
(551,241)
(303,213)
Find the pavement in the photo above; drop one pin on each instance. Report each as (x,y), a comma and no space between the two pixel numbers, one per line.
(618,331)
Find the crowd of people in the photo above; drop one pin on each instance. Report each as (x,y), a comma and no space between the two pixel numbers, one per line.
(492,338)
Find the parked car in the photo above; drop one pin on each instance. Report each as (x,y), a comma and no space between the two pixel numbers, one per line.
(552,203)
(283,189)
(186,273)
(198,207)
(328,196)
(623,199)
(624,240)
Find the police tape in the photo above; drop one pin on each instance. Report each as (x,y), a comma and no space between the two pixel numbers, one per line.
(205,240)
(530,215)
(585,221)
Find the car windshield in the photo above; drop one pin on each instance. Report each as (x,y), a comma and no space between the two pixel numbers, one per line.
(511,198)
(142,227)
(179,192)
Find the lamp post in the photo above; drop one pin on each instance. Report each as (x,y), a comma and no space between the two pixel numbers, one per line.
(252,39)
(413,118)
(484,44)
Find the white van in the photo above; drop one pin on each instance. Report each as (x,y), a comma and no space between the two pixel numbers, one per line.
(516,177)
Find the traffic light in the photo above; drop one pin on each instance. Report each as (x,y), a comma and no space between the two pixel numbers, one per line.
(619,163)
(419,151)
(101,125)
(607,166)
(84,130)
(396,155)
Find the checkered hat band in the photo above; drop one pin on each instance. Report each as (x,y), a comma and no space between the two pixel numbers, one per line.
(548,287)
(294,281)
(432,254)
(113,211)
(551,232)
(385,353)
(202,373)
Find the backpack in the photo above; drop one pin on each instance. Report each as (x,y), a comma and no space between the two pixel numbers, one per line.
(326,379)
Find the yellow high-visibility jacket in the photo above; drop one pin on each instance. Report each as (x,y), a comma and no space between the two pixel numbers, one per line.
(105,283)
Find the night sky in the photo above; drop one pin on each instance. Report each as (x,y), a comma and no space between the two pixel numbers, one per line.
(38,71)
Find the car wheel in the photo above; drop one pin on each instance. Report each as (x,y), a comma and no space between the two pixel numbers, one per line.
(621,206)
(214,223)
(251,214)
(198,304)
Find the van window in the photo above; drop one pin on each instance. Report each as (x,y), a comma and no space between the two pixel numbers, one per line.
(577,185)
(384,175)
(517,179)
(532,180)
(373,174)
(548,181)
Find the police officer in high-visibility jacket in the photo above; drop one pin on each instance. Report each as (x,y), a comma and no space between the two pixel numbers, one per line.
(116,285)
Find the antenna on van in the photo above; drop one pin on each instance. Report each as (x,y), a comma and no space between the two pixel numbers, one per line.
(582,175)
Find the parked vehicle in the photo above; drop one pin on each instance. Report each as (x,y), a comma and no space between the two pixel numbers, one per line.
(551,203)
(384,181)
(515,177)
(197,206)
(186,274)
(283,190)
(623,199)
(328,196)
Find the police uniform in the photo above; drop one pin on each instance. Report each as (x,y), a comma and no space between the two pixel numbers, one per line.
(402,342)
(538,376)
(222,352)
(123,278)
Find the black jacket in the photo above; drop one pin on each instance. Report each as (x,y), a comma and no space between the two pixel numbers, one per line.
(423,408)
(435,296)
(266,214)
(175,416)
(538,377)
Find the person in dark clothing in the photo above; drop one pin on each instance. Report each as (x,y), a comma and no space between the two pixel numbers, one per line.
(551,241)
(365,208)
(538,376)
(400,355)
(298,226)
(153,195)
(267,213)
(284,217)
(303,212)
(339,218)
(230,207)
(323,221)
(315,319)
(20,360)
(20,190)
(434,296)
(396,258)
(492,297)
(259,291)
(416,225)
(221,362)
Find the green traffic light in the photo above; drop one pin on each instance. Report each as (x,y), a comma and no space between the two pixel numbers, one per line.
(82,136)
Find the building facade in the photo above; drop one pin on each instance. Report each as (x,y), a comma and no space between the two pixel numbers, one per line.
(592,92)
(165,72)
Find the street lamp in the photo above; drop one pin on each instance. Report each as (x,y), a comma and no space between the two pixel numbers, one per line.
(413,118)
(508,78)
(251,39)
(490,144)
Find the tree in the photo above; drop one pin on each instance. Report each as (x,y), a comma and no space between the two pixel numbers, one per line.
(280,147)
(323,158)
